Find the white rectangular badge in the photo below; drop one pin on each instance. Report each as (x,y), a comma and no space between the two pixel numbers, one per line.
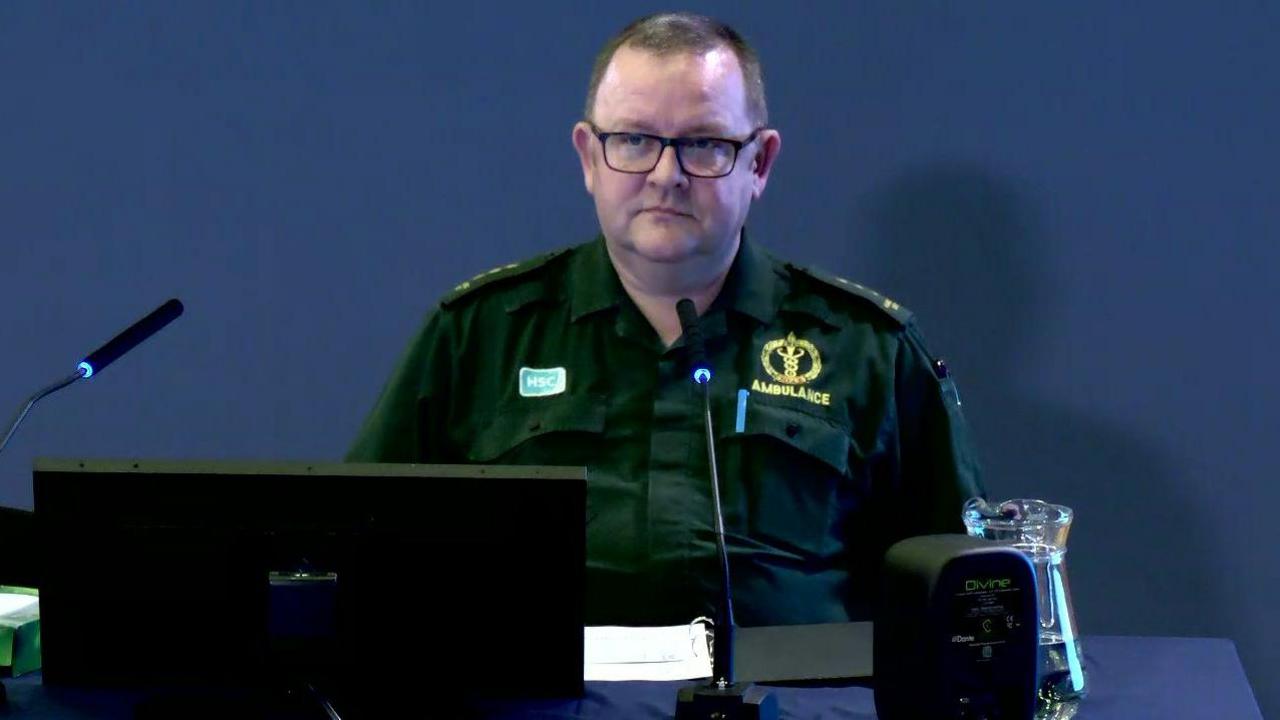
(541,382)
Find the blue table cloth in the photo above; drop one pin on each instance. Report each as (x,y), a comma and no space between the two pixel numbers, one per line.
(1130,678)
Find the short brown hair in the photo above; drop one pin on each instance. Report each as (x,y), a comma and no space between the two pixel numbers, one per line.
(671,33)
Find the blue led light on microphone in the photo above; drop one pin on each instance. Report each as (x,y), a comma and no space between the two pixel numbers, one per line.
(701,375)
(86,370)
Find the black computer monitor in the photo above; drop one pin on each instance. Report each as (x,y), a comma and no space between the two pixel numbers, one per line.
(396,577)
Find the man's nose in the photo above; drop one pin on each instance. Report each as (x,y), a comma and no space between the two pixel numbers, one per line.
(668,170)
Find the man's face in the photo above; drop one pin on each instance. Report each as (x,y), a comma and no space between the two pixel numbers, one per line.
(666,216)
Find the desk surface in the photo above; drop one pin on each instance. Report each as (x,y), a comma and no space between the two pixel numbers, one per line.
(1130,677)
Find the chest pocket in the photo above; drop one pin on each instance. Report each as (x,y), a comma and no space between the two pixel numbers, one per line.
(782,474)
(559,430)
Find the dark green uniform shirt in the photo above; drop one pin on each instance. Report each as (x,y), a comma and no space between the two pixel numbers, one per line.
(852,436)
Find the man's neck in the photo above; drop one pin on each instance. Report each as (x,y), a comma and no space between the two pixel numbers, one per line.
(656,287)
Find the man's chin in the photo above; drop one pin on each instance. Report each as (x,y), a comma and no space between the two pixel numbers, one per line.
(662,248)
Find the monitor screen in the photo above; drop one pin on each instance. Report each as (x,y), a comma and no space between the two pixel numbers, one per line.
(386,576)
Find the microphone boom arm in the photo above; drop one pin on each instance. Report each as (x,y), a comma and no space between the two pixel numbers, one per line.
(40,394)
(722,658)
(722,698)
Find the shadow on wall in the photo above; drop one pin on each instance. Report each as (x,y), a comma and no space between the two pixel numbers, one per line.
(965,250)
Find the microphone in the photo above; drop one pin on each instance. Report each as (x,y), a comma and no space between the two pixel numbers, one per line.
(722,697)
(133,336)
(701,372)
(692,330)
(102,357)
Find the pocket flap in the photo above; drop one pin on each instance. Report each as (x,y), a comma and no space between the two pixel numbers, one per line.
(817,437)
(523,419)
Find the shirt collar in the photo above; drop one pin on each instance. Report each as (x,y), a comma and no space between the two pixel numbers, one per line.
(752,286)
(596,286)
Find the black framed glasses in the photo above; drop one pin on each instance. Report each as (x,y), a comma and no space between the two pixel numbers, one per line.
(703,157)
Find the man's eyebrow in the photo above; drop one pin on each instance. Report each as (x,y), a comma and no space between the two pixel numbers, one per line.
(706,129)
(641,126)
(710,129)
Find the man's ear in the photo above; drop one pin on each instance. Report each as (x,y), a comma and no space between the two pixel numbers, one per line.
(768,146)
(584,143)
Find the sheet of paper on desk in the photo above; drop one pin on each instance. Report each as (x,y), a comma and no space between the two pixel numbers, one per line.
(646,653)
(12,602)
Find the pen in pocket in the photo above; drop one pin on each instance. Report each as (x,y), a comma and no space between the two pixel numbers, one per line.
(740,421)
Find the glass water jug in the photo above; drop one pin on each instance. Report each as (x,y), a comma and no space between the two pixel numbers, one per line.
(1039,529)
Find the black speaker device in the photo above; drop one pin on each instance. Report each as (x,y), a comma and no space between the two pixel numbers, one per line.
(957,631)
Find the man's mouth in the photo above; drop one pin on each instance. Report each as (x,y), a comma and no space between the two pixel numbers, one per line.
(666,211)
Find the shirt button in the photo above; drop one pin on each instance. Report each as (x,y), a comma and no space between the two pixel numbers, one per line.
(940,369)
(792,429)
(535,425)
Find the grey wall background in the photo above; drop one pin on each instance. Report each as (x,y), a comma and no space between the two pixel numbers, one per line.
(1076,198)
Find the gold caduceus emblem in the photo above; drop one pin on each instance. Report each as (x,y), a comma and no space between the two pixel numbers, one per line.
(791,353)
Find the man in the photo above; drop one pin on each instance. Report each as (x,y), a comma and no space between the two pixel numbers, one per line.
(850,439)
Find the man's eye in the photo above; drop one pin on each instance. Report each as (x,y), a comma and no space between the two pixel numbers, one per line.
(701,143)
(634,140)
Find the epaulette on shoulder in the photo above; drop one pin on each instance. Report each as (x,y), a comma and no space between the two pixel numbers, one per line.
(886,305)
(499,274)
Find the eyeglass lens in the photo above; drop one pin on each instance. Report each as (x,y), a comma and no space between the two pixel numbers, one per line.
(640,153)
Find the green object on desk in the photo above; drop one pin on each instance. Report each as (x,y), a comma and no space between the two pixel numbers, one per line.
(20,635)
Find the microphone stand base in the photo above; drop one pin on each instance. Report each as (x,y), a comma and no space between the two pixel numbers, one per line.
(739,701)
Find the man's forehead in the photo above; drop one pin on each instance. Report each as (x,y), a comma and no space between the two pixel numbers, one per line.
(682,92)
